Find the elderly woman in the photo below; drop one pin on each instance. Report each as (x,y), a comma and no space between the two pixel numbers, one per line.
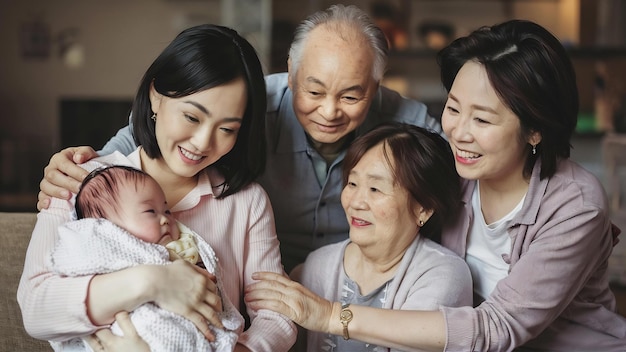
(400,187)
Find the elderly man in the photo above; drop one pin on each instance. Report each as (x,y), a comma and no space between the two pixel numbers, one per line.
(330,95)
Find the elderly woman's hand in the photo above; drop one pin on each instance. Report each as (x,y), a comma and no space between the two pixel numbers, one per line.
(104,340)
(282,295)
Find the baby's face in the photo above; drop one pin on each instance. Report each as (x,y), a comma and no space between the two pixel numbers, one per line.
(143,211)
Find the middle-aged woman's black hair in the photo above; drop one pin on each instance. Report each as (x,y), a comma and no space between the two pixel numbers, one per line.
(200,58)
(423,165)
(532,74)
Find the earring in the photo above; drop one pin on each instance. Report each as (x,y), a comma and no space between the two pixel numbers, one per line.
(153,117)
(421,223)
(534,149)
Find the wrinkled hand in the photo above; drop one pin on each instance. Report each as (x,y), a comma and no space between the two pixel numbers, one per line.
(190,291)
(62,176)
(105,340)
(280,294)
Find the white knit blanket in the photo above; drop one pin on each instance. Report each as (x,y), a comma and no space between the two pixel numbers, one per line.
(97,246)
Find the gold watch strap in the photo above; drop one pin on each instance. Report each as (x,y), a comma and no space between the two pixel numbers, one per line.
(345,316)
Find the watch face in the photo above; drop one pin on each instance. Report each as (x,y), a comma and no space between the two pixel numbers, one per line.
(346,315)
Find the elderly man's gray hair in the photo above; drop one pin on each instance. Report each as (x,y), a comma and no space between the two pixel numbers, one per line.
(342,16)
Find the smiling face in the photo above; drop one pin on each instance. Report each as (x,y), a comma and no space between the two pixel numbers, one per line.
(484,134)
(377,207)
(141,209)
(196,130)
(333,87)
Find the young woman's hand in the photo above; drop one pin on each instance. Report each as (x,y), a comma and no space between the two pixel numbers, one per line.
(105,340)
(62,175)
(179,287)
(190,291)
(280,294)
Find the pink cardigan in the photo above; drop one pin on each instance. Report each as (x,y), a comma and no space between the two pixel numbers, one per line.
(240,228)
(556,296)
(428,277)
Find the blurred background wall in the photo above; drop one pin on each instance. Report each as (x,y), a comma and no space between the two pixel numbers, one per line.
(73,50)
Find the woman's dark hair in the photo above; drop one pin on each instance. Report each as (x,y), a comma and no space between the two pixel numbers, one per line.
(533,76)
(200,58)
(424,166)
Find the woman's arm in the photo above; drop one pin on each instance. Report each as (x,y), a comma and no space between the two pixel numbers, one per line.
(401,329)
(52,307)
(269,331)
(179,288)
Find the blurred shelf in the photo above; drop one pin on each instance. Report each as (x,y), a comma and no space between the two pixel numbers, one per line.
(597,52)
(578,52)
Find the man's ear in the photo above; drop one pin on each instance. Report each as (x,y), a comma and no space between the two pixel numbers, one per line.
(289,74)
(155,99)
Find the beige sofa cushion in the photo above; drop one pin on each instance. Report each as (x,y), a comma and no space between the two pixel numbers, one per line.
(15,232)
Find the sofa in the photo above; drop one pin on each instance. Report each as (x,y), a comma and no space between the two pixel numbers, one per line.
(15,231)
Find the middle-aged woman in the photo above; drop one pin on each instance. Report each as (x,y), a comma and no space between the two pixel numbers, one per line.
(534,228)
(198,118)
(400,187)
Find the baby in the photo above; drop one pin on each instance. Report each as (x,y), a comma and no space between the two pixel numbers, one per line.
(123,220)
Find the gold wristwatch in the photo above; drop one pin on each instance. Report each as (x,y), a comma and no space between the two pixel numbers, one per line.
(345,317)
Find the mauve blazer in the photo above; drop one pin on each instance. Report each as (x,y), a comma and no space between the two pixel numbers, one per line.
(556,296)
